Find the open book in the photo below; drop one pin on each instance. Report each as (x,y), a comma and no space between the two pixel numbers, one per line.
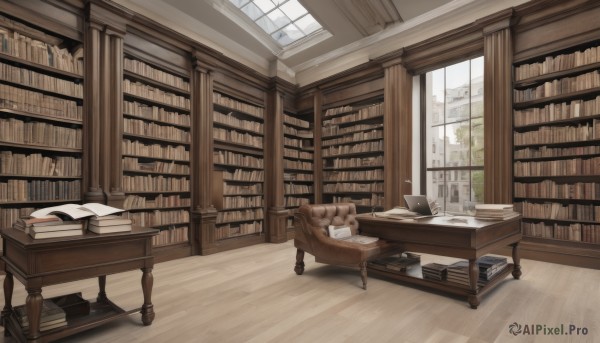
(345,234)
(77,211)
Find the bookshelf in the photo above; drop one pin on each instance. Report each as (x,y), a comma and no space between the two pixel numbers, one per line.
(156,151)
(556,150)
(238,179)
(41,119)
(298,169)
(352,150)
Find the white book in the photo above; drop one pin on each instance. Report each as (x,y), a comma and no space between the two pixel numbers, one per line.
(77,211)
(109,229)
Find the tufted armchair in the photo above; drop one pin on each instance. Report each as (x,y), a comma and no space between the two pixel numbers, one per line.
(311,235)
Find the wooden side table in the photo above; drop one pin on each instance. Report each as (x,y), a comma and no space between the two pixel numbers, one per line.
(38,263)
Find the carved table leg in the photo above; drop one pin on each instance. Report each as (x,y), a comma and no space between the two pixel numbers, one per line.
(8,292)
(473,277)
(516,273)
(147,309)
(33,305)
(299,269)
(363,274)
(102,289)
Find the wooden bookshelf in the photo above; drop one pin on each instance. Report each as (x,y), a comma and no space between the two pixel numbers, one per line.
(557,163)
(238,179)
(352,150)
(156,158)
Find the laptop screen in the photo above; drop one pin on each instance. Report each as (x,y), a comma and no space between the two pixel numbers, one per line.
(418,204)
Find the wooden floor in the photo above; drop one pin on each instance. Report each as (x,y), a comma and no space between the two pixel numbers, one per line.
(253,295)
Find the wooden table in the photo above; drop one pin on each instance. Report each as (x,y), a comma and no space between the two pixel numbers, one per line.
(42,262)
(446,237)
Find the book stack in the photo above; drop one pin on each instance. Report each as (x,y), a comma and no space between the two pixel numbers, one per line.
(459,273)
(434,271)
(489,266)
(398,263)
(495,211)
(109,224)
(49,226)
(53,316)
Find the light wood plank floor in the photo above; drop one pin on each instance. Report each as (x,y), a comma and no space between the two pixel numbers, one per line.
(253,295)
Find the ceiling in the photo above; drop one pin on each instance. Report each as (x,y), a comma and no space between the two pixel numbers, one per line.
(352,25)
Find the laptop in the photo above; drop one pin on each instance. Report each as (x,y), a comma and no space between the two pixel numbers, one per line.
(419,204)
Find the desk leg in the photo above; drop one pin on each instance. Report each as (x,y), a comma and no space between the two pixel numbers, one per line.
(102,289)
(33,304)
(147,308)
(473,277)
(8,292)
(516,273)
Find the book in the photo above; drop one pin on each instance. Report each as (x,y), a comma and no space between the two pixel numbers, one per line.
(109,220)
(109,229)
(345,234)
(51,314)
(77,211)
(55,234)
(55,226)
(24,223)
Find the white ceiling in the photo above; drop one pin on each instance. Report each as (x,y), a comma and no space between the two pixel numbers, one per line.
(355,27)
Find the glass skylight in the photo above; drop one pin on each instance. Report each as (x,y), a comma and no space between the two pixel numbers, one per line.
(286,21)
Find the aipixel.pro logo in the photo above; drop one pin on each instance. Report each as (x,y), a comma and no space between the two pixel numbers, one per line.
(516,329)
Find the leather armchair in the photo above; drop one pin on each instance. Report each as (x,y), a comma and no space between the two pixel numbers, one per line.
(311,235)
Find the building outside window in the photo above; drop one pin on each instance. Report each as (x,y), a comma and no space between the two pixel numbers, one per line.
(454,134)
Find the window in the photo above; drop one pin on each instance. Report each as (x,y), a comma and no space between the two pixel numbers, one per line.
(454,134)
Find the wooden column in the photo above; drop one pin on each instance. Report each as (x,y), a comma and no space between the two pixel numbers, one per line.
(203,214)
(318,155)
(115,134)
(397,132)
(276,212)
(497,121)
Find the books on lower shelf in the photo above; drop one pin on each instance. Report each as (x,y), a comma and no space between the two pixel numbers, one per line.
(434,271)
(489,266)
(52,316)
(398,263)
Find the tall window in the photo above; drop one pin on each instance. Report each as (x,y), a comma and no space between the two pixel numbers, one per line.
(454,135)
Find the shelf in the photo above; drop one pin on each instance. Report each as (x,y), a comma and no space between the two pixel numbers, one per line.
(153,172)
(237,166)
(351,132)
(237,147)
(557,98)
(540,79)
(560,122)
(299,194)
(242,181)
(375,119)
(40,147)
(154,102)
(561,144)
(232,127)
(353,192)
(559,200)
(354,181)
(593,246)
(298,181)
(27,202)
(133,116)
(242,194)
(553,220)
(364,153)
(21,176)
(155,139)
(552,158)
(149,81)
(240,208)
(298,158)
(220,108)
(296,126)
(142,209)
(156,192)
(40,116)
(305,171)
(180,224)
(565,178)
(380,166)
(352,111)
(40,67)
(353,142)
(239,221)
(296,136)
(158,158)
(42,90)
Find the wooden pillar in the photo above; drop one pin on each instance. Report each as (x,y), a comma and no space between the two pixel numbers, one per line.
(273,187)
(115,135)
(318,155)
(497,98)
(203,214)
(397,132)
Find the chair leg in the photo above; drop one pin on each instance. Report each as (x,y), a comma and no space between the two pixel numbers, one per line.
(363,274)
(299,268)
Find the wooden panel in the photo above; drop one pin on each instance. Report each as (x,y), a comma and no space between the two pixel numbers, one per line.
(145,48)
(354,93)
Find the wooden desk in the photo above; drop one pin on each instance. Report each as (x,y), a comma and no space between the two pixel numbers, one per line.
(441,236)
(42,262)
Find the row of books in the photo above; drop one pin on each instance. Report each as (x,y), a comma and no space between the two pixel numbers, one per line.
(245,175)
(158,217)
(335,130)
(18,131)
(301,165)
(255,188)
(150,72)
(559,87)
(289,176)
(153,130)
(171,236)
(350,149)
(372,161)
(338,110)
(355,137)
(358,175)
(151,112)
(145,91)
(557,111)
(234,202)
(353,187)
(45,82)
(551,189)
(556,63)
(238,137)
(553,210)
(296,143)
(290,188)
(161,200)
(175,152)
(290,201)
(576,166)
(556,134)
(232,158)
(292,153)
(374,200)
(362,114)
(556,152)
(20,99)
(292,131)
(229,231)
(233,216)
(578,232)
(238,105)
(133,163)
(149,183)
(287,119)
(231,120)
(37,190)
(39,165)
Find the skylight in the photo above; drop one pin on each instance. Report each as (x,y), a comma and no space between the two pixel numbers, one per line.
(286,21)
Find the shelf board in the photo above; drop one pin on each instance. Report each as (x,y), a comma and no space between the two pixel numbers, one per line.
(145,172)
(567,178)
(354,181)
(239,208)
(364,153)
(237,166)
(296,136)
(554,220)
(155,139)
(152,82)
(374,119)
(232,127)
(28,114)
(296,126)
(237,147)
(552,158)
(39,202)
(575,120)
(298,181)
(379,166)
(141,209)
(352,111)
(540,79)
(40,67)
(242,181)
(353,192)
(40,147)
(156,192)
(242,194)
(593,246)
(227,109)
(21,176)
(297,158)
(240,221)
(157,158)
(133,116)
(380,127)
(180,224)
(156,103)
(42,90)
(353,142)
(561,144)
(298,194)
(557,98)
(558,200)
